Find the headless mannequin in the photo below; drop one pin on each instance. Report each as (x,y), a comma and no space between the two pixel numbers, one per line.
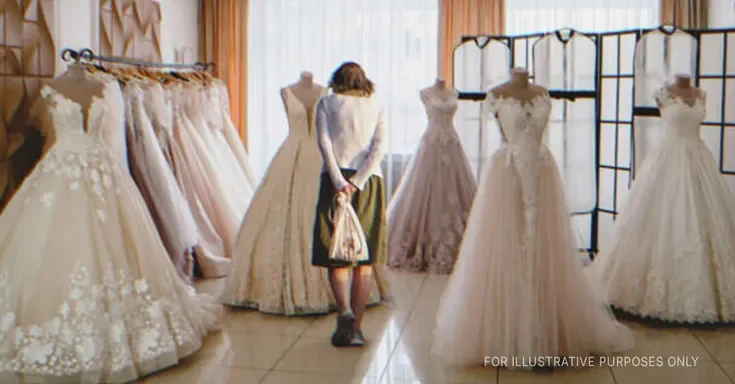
(306,91)
(439,90)
(79,85)
(518,87)
(682,88)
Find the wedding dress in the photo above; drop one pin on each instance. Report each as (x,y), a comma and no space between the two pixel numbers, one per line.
(210,252)
(157,183)
(87,291)
(232,137)
(518,289)
(428,213)
(673,255)
(271,264)
(212,187)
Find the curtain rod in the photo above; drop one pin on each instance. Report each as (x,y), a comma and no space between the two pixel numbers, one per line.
(87,54)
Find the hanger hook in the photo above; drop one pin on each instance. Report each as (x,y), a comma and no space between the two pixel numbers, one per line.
(86,54)
(69,54)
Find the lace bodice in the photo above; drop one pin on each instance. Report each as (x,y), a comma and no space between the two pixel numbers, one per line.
(440,111)
(522,123)
(681,119)
(62,118)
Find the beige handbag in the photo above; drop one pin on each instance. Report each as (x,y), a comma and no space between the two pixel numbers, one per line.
(348,240)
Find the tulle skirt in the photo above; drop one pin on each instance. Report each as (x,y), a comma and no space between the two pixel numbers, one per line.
(673,255)
(428,213)
(512,298)
(88,293)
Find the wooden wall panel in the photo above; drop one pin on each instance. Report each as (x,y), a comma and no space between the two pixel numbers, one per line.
(27,59)
(131,28)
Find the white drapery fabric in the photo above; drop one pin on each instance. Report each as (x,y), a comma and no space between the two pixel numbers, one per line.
(394,40)
(530,16)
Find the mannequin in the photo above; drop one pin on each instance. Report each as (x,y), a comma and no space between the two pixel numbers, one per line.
(79,85)
(439,90)
(518,87)
(682,88)
(306,91)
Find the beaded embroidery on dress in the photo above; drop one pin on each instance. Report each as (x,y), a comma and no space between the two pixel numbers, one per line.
(673,255)
(518,284)
(88,293)
(428,212)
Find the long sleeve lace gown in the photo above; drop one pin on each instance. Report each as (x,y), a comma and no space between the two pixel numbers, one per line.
(518,288)
(673,254)
(88,293)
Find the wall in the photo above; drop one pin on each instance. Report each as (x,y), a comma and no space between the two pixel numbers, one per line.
(179,30)
(78,27)
(722,14)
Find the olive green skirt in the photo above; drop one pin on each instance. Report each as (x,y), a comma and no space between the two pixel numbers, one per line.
(370,207)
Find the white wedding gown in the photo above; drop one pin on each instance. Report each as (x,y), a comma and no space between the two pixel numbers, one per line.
(673,254)
(518,288)
(88,293)
(428,213)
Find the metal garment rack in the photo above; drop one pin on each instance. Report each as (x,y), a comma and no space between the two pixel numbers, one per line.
(624,119)
(87,55)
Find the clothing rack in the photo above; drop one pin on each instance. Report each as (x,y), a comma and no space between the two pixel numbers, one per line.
(87,55)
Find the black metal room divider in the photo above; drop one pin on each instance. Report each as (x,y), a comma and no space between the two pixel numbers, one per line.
(622,117)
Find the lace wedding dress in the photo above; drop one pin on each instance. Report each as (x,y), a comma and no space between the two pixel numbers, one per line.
(518,289)
(87,291)
(673,254)
(272,269)
(428,213)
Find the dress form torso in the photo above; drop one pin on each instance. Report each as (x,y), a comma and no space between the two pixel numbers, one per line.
(441,105)
(306,92)
(101,104)
(518,87)
(682,88)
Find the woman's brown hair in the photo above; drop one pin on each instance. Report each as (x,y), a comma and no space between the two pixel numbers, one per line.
(350,77)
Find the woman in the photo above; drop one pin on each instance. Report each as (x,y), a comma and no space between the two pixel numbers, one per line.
(352,138)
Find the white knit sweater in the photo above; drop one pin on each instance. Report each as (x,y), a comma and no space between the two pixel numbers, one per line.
(352,135)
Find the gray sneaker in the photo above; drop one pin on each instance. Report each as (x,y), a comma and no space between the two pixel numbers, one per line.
(358,340)
(342,336)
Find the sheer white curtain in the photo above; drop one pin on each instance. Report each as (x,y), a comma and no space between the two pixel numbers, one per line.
(529,16)
(394,40)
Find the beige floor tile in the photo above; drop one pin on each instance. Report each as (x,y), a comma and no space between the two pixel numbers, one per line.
(666,342)
(317,355)
(377,320)
(597,375)
(415,363)
(248,321)
(419,329)
(214,287)
(405,288)
(206,374)
(706,372)
(278,377)
(729,370)
(720,342)
(241,350)
(256,348)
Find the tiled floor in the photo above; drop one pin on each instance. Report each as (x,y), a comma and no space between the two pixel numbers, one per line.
(255,348)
